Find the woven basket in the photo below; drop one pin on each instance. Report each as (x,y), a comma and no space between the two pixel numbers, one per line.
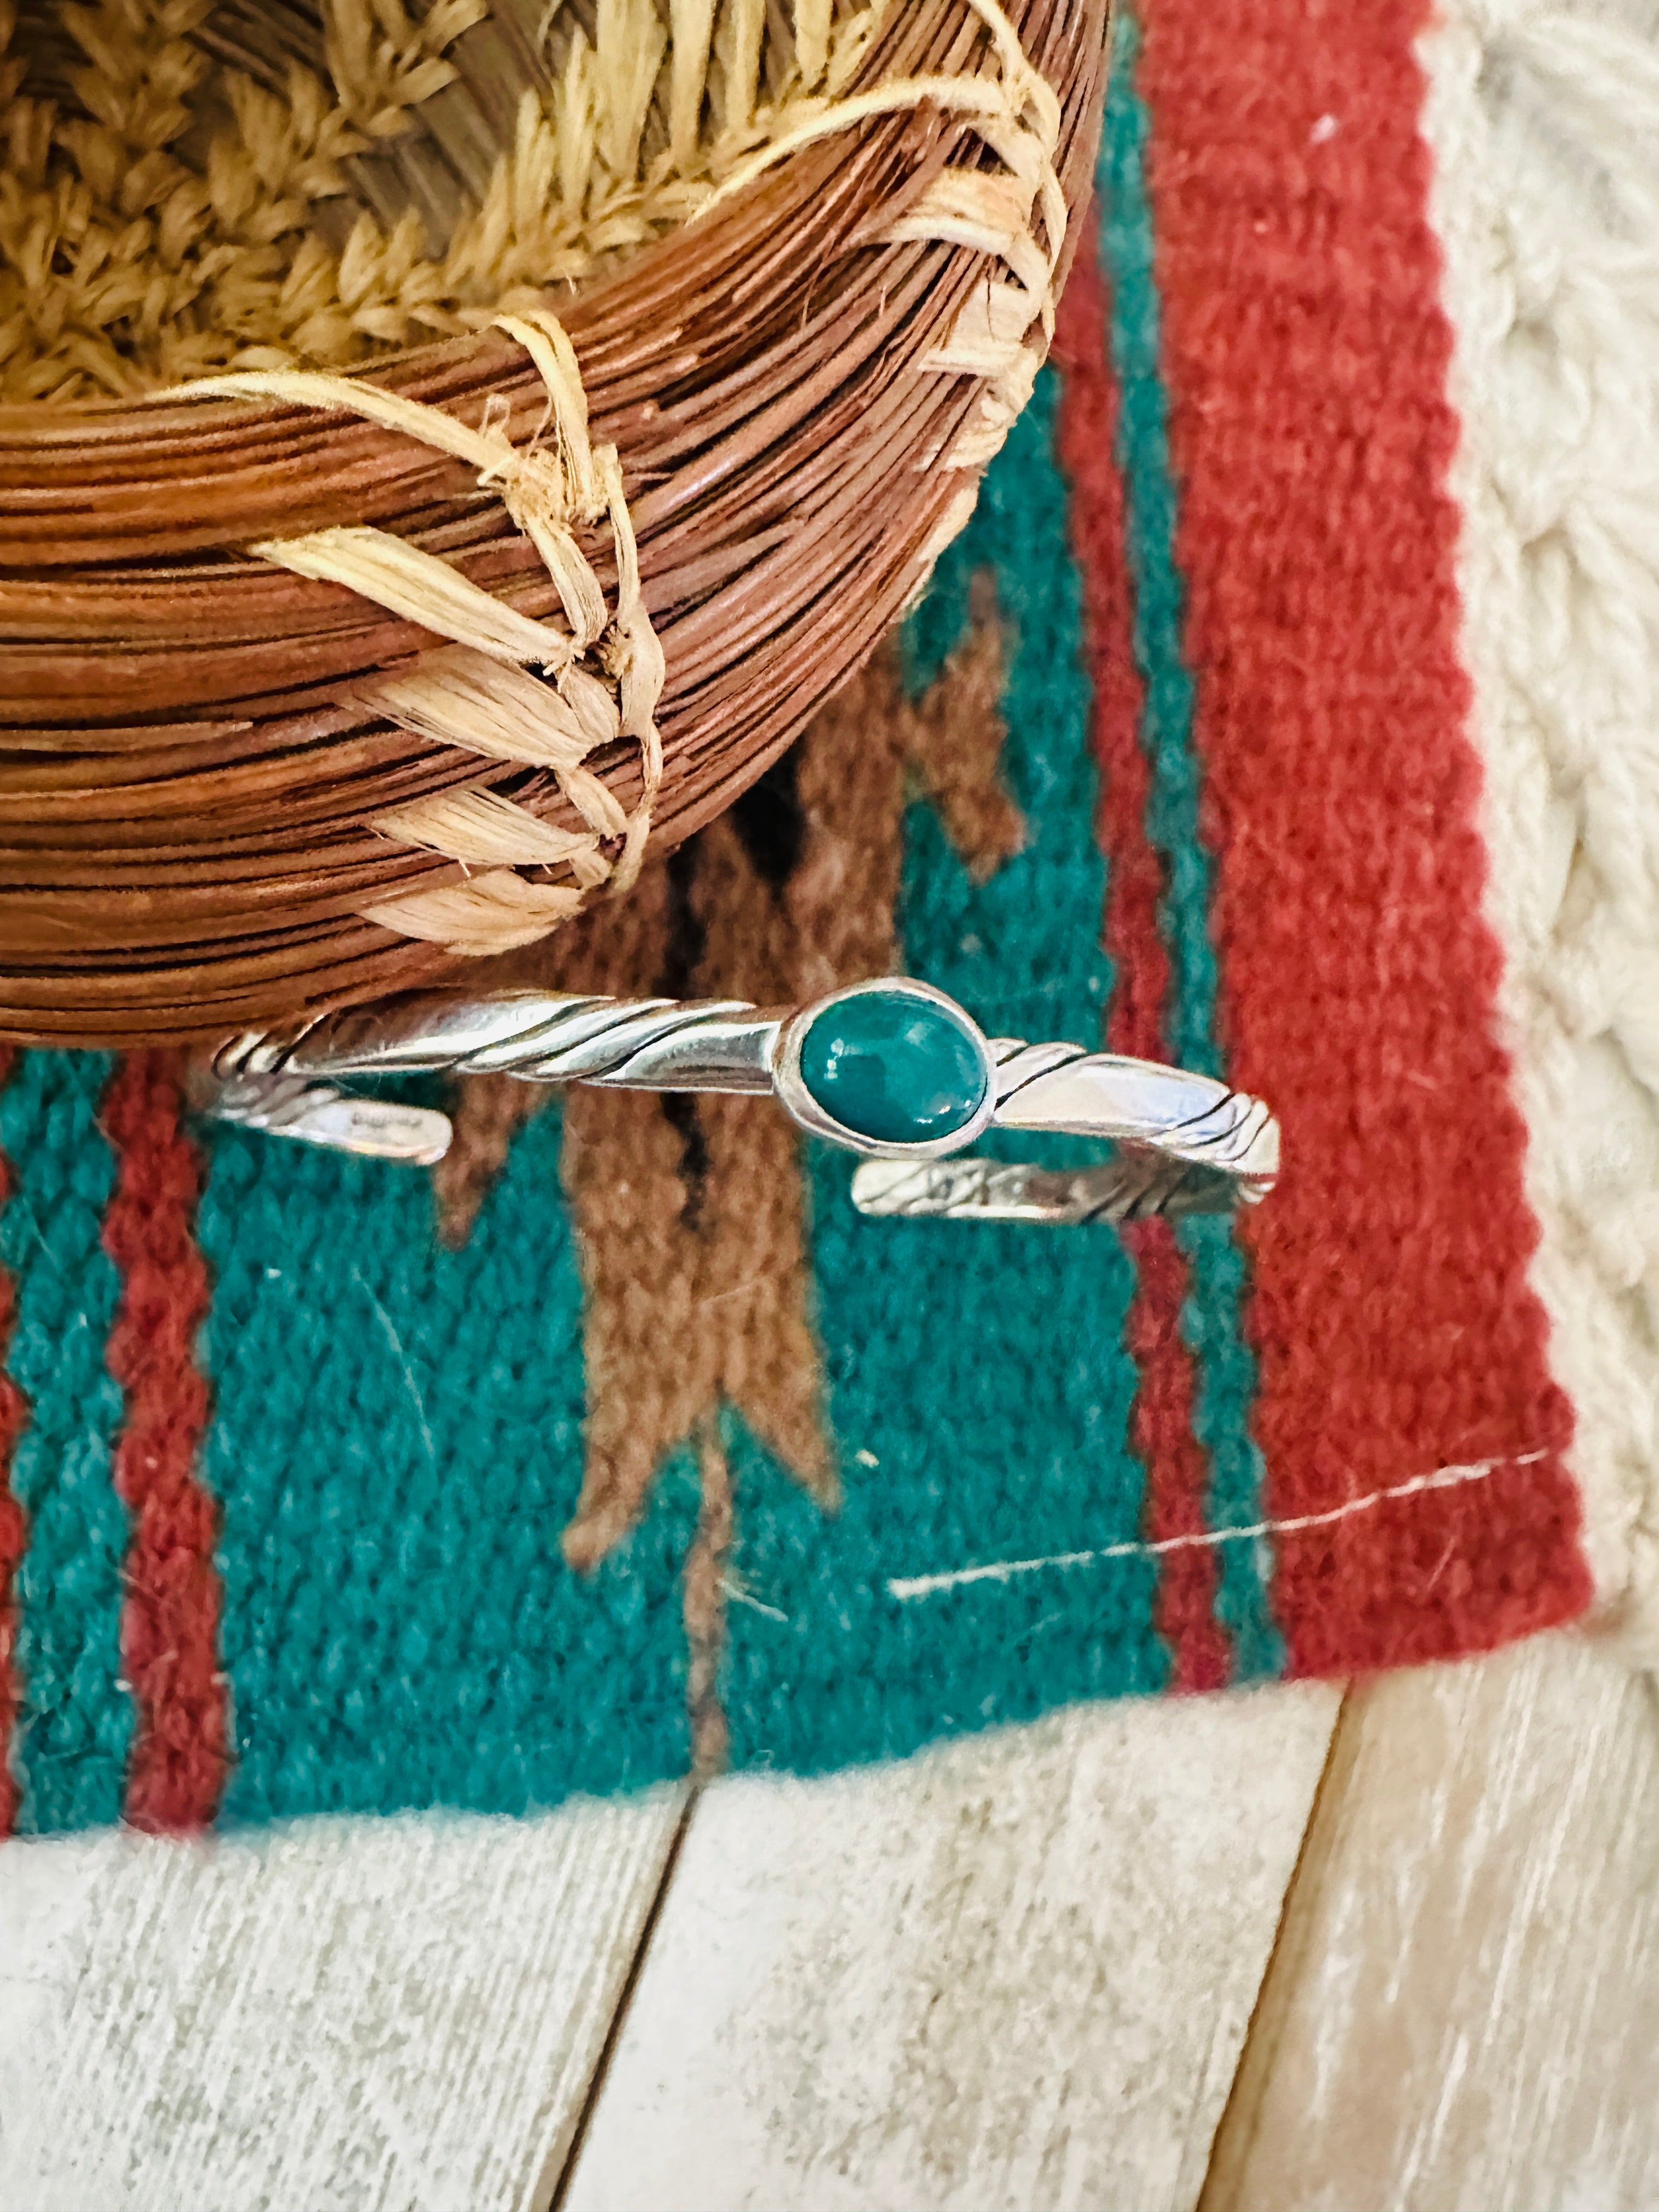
(247,769)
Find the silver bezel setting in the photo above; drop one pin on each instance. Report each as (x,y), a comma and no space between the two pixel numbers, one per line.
(804,1110)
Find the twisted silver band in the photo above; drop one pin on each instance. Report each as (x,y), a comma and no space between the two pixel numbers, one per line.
(1182,1143)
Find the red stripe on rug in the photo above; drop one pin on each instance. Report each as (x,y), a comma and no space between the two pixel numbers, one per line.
(14,1531)
(1161,1419)
(170,1623)
(1306,356)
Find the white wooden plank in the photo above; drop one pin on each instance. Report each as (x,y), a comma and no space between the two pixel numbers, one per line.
(1014,1971)
(343,2016)
(1461,2012)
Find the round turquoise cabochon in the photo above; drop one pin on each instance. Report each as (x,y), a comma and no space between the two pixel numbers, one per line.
(893,1066)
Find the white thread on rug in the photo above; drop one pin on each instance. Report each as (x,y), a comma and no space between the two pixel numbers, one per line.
(906,1587)
(1544,123)
(737,1595)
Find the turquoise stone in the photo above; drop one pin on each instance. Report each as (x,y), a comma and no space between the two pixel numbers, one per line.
(897,1069)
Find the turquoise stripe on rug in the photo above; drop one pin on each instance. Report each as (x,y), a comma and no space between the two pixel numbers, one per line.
(397,1445)
(77,1720)
(1212,1320)
(979,1387)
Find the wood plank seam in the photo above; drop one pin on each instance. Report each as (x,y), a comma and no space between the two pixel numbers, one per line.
(1456,2019)
(552,2187)
(1235,2131)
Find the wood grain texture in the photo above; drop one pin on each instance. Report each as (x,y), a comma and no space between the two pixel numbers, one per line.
(1460,2012)
(1015,1970)
(344,2016)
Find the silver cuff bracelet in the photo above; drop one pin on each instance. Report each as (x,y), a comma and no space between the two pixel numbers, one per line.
(892,1070)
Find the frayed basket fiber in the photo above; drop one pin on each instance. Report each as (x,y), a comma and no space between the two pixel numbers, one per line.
(440,454)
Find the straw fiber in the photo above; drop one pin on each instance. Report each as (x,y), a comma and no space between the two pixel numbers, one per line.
(272,730)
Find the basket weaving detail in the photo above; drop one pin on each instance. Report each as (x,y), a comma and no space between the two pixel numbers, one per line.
(309,684)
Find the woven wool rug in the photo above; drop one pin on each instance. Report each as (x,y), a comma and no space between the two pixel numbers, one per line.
(1275,715)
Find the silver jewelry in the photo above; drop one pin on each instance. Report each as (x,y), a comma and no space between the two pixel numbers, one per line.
(893,1070)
